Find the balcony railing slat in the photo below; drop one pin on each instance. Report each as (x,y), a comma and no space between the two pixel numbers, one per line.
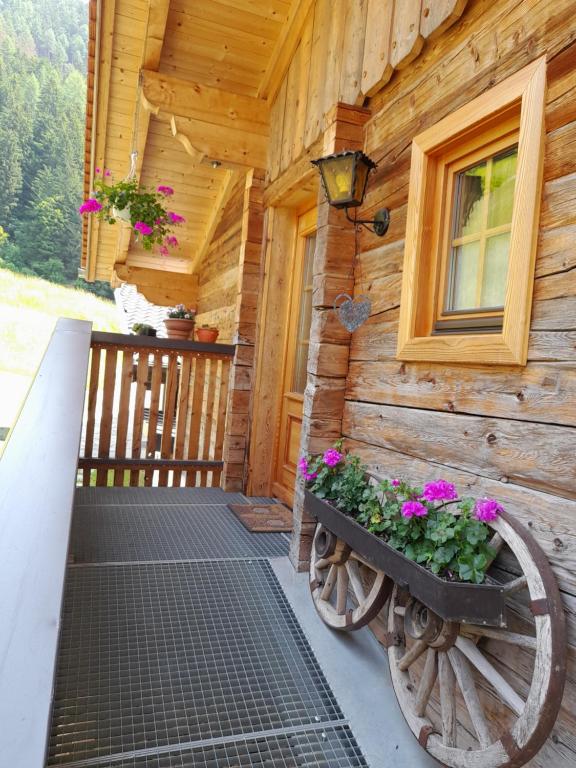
(37,483)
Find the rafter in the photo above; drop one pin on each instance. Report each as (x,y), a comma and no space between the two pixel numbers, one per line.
(159,286)
(228,184)
(220,125)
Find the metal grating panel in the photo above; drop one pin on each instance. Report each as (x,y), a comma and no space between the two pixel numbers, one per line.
(164,654)
(144,533)
(330,748)
(102,497)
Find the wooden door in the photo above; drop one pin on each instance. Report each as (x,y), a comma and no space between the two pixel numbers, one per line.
(295,358)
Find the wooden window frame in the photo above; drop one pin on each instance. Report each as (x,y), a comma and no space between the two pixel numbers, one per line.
(513,112)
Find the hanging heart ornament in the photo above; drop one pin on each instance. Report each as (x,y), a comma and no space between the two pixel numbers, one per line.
(352,312)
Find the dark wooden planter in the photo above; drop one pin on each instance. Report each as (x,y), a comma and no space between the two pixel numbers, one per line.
(453,601)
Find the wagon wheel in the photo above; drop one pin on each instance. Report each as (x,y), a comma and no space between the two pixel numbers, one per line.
(452,681)
(335,571)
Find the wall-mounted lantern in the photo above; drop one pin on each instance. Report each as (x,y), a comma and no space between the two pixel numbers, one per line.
(344,177)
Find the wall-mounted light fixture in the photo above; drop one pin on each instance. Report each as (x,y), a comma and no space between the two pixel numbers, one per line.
(344,177)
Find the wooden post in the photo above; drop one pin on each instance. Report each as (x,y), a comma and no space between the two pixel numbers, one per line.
(329,342)
(242,369)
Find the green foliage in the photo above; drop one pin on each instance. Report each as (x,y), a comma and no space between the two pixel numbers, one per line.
(447,538)
(42,106)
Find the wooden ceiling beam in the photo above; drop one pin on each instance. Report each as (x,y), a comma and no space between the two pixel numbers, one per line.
(159,286)
(228,184)
(284,49)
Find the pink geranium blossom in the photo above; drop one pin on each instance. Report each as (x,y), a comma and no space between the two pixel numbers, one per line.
(171,241)
(439,490)
(413,509)
(163,250)
(175,218)
(97,170)
(332,457)
(90,206)
(107,173)
(395,483)
(143,228)
(303,467)
(487,510)
(165,190)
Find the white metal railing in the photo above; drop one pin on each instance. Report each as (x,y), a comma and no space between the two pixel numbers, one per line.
(37,481)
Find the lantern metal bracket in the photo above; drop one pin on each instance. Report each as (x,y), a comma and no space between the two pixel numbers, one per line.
(379,225)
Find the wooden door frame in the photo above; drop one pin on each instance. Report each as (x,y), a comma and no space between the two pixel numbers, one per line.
(306,223)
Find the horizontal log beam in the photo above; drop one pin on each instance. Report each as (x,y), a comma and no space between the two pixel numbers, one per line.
(87,462)
(211,123)
(153,344)
(160,286)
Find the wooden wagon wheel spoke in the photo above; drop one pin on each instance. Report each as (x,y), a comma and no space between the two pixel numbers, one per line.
(345,596)
(451,680)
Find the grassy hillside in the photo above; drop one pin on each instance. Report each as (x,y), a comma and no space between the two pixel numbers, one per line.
(29,309)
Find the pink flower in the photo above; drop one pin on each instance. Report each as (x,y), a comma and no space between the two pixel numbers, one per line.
(175,218)
(163,250)
(413,509)
(143,228)
(90,206)
(487,510)
(107,172)
(159,221)
(171,241)
(164,190)
(303,464)
(332,457)
(439,490)
(310,475)
(97,170)
(395,483)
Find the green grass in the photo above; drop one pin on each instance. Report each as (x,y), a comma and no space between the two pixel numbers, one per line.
(29,309)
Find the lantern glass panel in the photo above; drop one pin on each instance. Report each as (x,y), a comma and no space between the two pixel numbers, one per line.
(338,175)
(361,178)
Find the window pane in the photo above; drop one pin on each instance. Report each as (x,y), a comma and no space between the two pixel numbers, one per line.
(304,319)
(464,276)
(495,270)
(470,189)
(502,189)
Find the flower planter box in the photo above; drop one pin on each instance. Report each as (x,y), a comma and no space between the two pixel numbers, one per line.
(179,328)
(453,601)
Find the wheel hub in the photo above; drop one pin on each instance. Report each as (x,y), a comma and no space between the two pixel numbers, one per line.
(420,623)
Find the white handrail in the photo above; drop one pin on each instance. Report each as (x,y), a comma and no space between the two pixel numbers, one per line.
(37,482)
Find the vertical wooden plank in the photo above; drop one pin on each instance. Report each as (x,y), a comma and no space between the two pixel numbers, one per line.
(276,132)
(315,102)
(182,415)
(169,407)
(155,386)
(299,127)
(292,85)
(138,418)
(91,410)
(208,417)
(352,52)
(123,413)
(377,67)
(193,451)
(438,15)
(334,56)
(406,39)
(105,432)
(221,423)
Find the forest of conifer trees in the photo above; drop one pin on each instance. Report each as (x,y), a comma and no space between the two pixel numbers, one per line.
(42,109)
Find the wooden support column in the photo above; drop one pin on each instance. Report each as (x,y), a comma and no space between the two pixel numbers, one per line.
(242,371)
(329,341)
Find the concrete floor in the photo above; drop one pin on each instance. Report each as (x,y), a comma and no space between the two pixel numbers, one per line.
(356,667)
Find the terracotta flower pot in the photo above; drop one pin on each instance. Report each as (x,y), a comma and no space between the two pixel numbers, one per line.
(177,328)
(207,335)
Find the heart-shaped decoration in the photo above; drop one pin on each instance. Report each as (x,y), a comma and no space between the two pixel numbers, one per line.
(352,312)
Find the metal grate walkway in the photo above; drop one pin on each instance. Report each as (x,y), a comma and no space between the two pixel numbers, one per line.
(178,647)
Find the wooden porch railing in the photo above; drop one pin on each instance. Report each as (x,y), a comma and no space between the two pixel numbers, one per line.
(155,412)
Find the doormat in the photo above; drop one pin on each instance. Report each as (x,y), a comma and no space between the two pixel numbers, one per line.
(263,518)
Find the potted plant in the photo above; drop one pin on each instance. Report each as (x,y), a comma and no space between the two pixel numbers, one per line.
(207,334)
(142,329)
(180,322)
(429,538)
(144,209)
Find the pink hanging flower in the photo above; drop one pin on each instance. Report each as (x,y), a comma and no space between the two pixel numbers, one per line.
(332,457)
(413,509)
(395,483)
(90,206)
(97,170)
(487,510)
(165,190)
(143,228)
(107,173)
(175,218)
(171,241)
(439,490)
(163,251)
